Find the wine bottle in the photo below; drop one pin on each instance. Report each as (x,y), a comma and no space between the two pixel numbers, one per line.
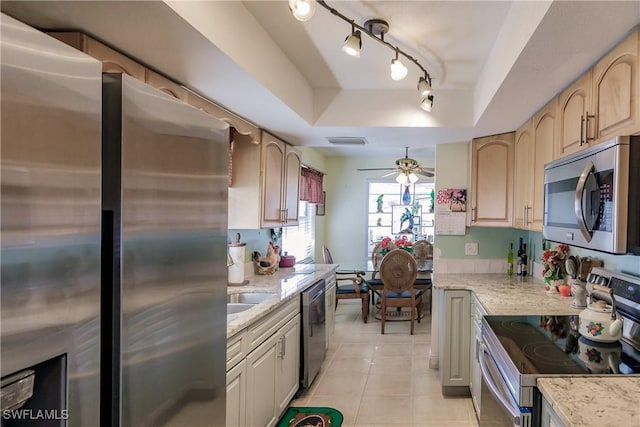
(510,260)
(519,260)
(523,261)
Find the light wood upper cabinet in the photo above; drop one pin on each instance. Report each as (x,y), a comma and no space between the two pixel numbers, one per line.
(165,85)
(281,182)
(523,176)
(575,117)
(616,91)
(266,184)
(492,180)
(112,60)
(544,132)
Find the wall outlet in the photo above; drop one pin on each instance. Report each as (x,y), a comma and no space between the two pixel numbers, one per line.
(471,248)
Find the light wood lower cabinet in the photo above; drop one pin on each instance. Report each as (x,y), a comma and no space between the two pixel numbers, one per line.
(237,395)
(455,327)
(330,307)
(549,418)
(263,368)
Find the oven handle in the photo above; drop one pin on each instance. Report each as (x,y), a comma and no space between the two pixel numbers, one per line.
(578,201)
(504,401)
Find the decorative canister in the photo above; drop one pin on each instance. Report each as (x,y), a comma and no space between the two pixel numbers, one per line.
(236,262)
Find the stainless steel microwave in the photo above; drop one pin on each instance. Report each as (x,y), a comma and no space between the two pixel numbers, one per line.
(592,197)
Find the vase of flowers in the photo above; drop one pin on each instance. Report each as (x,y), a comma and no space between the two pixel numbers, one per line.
(388,244)
(553,267)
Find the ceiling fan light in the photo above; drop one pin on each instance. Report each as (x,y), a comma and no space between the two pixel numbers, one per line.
(427,103)
(424,87)
(398,70)
(413,178)
(302,10)
(403,179)
(353,44)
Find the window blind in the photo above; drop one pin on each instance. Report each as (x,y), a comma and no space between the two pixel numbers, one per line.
(300,241)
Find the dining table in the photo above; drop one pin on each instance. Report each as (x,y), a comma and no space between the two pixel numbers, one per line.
(423,279)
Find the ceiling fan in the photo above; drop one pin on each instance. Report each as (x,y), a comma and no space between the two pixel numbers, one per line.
(407,169)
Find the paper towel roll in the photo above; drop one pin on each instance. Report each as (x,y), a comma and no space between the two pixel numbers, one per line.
(236,271)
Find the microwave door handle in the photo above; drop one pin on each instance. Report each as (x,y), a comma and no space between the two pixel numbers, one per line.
(488,377)
(578,201)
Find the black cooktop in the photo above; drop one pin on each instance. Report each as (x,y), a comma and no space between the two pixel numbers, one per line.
(550,345)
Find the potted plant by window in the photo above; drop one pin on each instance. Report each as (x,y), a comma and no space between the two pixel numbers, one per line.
(553,268)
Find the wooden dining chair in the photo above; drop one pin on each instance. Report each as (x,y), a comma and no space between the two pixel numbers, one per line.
(350,285)
(423,254)
(398,271)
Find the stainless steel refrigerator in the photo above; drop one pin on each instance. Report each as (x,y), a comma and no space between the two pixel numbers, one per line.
(114,218)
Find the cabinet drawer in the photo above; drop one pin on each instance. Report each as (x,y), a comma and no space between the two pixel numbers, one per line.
(262,330)
(236,350)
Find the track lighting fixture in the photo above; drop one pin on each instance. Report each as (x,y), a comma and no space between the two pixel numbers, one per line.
(398,70)
(424,87)
(353,43)
(302,10)
(427,103)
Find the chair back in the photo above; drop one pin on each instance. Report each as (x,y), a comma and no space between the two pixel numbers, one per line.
(398,271)
(326,255)
(422,252)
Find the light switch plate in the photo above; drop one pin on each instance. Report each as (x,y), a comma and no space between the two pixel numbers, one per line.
(471,248)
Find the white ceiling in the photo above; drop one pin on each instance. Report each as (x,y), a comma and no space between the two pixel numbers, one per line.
(493,64)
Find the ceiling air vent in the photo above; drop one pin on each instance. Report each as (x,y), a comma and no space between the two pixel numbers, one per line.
(347,140)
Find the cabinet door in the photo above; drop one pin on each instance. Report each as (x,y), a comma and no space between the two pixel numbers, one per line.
(455,327)
(573,116)
(261,383)
(273,157)
(291,186)
(544,132)
(330,307)
(492,180)
(236,395)
(616,91)
(523,176)
(288,366)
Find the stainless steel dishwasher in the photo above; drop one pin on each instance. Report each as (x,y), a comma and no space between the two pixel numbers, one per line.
(313,343)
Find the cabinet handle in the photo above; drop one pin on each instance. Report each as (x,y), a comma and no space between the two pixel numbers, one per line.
(528,209)
(524,215)
(283,347)
(473,214)
(586,128)
(582,122)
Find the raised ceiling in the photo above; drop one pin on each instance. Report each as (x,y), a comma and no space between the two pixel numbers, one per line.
(493,63)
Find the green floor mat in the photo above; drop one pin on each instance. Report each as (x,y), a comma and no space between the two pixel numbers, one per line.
(303,416)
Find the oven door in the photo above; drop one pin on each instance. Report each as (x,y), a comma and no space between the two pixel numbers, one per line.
(499,408)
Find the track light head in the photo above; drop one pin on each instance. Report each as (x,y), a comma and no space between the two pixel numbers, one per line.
(353,44)
(302,10)
(398,70)
(424,87)
(427,103)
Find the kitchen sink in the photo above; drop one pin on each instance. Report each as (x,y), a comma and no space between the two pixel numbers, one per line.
(234,308)
(248,297)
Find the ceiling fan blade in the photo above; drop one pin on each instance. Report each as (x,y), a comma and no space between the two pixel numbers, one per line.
(377,169)
(425,173)
(388,174)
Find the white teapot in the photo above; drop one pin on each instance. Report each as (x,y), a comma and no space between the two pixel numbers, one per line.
(598,322)
(600,358)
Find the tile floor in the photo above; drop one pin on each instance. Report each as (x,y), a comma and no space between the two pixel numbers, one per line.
(383,380)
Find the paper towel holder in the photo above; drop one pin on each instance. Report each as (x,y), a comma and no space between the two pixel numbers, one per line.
(236,262)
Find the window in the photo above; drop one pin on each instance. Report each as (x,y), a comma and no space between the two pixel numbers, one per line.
(300,241)
(388,202)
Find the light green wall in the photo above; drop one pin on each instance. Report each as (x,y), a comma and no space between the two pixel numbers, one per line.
(492,242)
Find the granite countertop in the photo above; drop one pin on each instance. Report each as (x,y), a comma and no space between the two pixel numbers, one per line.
(579,401)
(594,402)
(285,284)
(500,294)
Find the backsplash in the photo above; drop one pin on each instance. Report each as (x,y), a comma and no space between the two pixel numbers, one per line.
(479,266)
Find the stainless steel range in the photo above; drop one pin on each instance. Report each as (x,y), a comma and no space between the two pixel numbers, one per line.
(516,350)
